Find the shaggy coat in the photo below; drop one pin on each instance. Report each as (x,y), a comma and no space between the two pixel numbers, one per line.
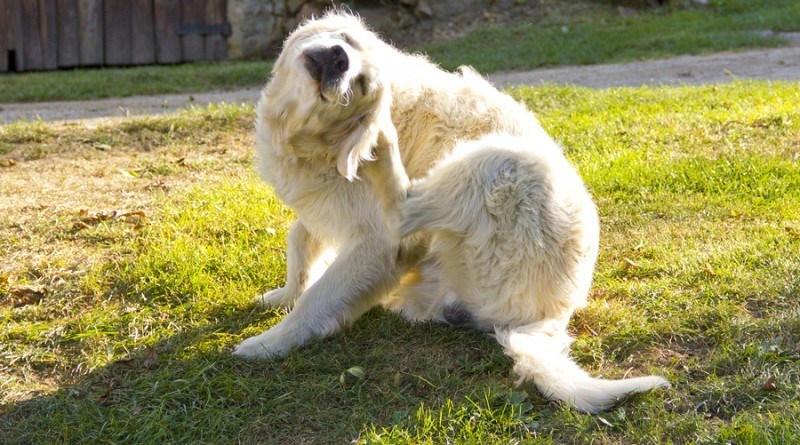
(440,197)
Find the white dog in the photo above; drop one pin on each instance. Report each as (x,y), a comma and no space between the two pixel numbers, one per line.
(495,230)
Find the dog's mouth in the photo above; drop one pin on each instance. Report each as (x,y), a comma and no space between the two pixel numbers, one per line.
(328,66)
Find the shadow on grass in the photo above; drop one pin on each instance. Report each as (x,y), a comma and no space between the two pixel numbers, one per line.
(188,388)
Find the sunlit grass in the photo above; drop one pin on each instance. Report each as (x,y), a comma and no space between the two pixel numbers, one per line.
(699,196)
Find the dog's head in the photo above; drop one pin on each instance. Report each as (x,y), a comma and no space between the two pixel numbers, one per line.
(328,83)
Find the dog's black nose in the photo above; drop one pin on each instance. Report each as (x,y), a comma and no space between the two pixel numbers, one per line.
(327,64)
(339,60)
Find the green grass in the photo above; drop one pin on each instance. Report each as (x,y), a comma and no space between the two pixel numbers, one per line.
(565,33)
(699,195)
(100,83)
(585,33)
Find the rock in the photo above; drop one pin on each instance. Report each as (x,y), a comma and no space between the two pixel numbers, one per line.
(423,9)
(293,6)
(257,27)
(306,12)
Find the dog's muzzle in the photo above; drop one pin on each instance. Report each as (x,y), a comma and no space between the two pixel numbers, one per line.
(326,65)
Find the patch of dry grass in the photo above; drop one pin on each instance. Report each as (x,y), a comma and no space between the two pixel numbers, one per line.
(74,196)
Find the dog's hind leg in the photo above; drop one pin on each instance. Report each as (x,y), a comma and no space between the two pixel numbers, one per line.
(418,292)
(423,296)
(388,176)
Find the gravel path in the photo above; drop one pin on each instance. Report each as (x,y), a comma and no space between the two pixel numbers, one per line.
(768,64)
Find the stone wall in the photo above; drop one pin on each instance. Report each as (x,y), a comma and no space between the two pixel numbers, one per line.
(258,27)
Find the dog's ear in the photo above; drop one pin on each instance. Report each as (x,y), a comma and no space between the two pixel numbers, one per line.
(357,146)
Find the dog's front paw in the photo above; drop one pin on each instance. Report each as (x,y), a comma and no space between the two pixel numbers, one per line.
(276,298)
(264,346)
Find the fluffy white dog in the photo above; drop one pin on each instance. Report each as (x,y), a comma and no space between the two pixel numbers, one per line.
(494,230)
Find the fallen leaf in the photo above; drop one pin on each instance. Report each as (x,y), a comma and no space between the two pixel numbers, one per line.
(157,185)
(150,358)
(137,213)
(125,362)
(101,216)
(7,163)
(78,394)
(628,263)
(87,220)
(25,296)
(106,399)
(355,373)
(770,385)
(128,173)
(605,422)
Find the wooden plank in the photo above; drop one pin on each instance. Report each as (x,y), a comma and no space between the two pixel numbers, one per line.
(31,40)
(68,40)
(167,17)
(117,31)
(192,45)
(5,34)
(216,45)
(14,36)
(143,45)
(48,32)
(90,27)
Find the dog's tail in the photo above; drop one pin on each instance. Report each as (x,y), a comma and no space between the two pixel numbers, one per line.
(542,356)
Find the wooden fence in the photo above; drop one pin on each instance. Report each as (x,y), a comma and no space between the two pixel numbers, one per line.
(52,34)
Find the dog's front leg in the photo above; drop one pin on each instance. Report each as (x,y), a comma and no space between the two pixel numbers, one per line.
(357,279)
(303,250)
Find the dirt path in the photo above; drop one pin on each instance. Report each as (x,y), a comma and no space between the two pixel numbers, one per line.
(766,64)
(769,64)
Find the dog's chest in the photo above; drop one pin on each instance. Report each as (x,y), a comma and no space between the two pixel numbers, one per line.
(326,203)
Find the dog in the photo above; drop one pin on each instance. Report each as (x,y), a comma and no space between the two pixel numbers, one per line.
(442,198)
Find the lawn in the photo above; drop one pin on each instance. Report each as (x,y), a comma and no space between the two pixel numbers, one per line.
(580,33)
(130,253)
(101,83)
(563,33)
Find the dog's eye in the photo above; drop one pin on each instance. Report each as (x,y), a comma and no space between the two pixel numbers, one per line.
(349,40)
(361,81)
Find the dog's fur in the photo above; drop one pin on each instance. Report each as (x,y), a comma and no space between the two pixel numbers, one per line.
(494,230)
